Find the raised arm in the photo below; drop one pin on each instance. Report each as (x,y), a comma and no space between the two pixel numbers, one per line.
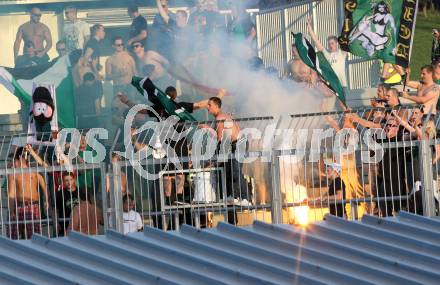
(421,99)
(37,158)
(162,12)
(403,122)
(411,83)
(124,99)
(204,103)
(332,122)
(312,34)
(364,123)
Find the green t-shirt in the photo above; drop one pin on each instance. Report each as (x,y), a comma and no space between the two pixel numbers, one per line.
(88,178)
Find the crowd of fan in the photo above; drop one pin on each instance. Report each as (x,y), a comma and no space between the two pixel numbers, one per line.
(185,38)
(394,182)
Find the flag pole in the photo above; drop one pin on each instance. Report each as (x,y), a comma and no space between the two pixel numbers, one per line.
(320,76)
(413,34)
(412,40)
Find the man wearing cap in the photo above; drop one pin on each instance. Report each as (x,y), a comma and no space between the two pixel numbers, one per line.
(336,190)
(36,32)
(349,173)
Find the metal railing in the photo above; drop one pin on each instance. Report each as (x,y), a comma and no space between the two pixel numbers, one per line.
(41,195)
(207,189)
(292,170)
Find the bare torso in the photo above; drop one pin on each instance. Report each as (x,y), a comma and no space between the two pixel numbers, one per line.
(423,91)
(25,187)
(230,128)
(122,66)
(85,218)
(36,33)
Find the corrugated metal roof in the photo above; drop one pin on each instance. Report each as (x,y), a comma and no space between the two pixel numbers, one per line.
(401,250)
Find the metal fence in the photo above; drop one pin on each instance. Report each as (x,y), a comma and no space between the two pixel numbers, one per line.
(42,194)
(210,185)
(378,166)
(274,27)
(291,170)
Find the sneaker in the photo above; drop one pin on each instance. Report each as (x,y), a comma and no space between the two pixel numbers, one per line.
(231,200)
(243,203)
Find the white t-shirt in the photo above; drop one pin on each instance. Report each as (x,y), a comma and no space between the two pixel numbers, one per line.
(75,35)
(132,222)
(338,62)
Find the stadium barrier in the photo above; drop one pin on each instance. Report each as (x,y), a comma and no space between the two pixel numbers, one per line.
(294,169)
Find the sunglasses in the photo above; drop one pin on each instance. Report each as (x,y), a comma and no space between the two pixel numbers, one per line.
(119,45)
(136,46)
(36,15)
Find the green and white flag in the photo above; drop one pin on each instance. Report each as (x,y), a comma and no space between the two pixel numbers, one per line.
(147,88)
(379,29)
(318,62)
(57,75)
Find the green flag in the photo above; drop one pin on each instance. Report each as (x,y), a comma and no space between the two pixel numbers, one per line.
(376,29)
(59,75)
(146,87)
(318,62)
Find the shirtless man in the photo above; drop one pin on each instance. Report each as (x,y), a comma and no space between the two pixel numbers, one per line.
(427,91)
(35,32)
(144,66)
(120,68)
(228,129)
(24,199)
(86,216)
